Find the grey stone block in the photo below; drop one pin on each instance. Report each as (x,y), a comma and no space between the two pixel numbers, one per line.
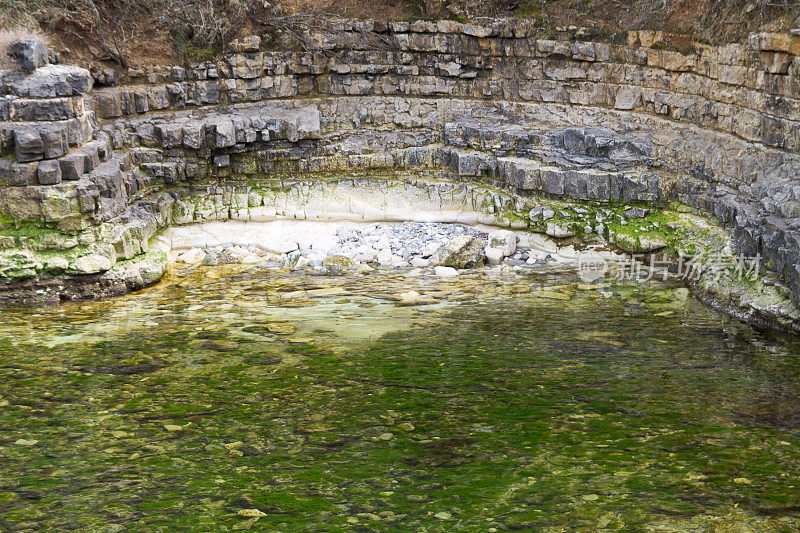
(49,173)
(72,166)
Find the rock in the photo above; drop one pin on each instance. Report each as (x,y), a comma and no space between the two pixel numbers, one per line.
(280,247)
(251,43)
(324,243)
(49,172)
(463,251)
(51,81)
(281,328)
(104,77)
(420,262)
(195,255)
(559,231)
(387,259)
(92,264)
(251,513)
(29,53)
(638,244)
(415,298)
(541,213)
(504,240)
(302,262)
(340,261)
(637,212)
(445,272)
(550,295)
(494,256)
(386,436)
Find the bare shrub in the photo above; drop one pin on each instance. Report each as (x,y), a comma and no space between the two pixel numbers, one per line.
(302,29)
(202,26)
(106,27)
(8,36)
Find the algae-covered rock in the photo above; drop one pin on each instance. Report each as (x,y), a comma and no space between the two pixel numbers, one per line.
(559,231)
(340,261)
(641,244)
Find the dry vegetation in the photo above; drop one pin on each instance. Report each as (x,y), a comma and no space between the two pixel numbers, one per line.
(126,33)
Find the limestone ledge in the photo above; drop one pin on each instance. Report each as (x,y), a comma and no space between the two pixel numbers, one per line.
(122,278)
(750,90)
(528,148)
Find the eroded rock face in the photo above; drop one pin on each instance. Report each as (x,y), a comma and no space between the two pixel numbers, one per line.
(491,103)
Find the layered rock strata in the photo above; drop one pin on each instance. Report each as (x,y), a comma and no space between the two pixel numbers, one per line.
(87,177)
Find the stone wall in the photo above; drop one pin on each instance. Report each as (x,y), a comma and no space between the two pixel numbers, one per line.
(750,90)
(716,129)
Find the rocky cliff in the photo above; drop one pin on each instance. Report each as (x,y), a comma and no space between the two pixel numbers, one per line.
(87,177)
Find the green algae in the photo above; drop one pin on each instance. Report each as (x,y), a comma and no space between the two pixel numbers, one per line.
(178,408)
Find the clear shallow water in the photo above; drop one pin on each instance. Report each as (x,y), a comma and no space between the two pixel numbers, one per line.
(241,398)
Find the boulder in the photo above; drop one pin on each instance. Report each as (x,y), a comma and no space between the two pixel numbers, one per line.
(504,240)
(463,251)
(30,53)
(559,231)
(52,81)
(341,261)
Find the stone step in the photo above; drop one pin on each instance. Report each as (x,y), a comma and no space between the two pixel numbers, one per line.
(222,128)
(18,109)
(49,81)
(70,166)
(34,141)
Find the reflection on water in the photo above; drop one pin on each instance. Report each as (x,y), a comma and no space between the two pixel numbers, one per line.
(241,398)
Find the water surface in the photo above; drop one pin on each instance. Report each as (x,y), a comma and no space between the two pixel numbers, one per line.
(244,398)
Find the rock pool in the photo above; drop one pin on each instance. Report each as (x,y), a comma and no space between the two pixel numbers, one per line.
(235,398)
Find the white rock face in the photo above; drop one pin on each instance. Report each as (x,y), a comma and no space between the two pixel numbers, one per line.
(93,263)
